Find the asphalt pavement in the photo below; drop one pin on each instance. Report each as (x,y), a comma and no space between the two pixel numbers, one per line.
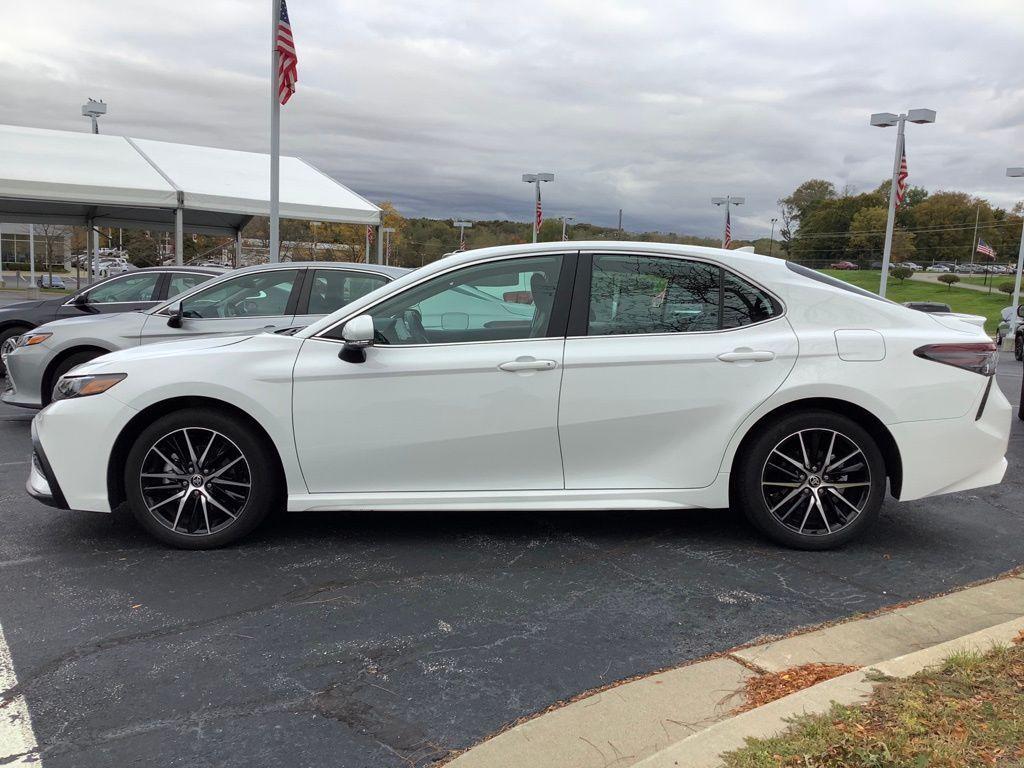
(387,639)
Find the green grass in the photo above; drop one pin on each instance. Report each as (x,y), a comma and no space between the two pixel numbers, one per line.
(968,712)
(959,299)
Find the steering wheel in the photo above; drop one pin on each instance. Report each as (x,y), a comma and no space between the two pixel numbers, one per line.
(413,321)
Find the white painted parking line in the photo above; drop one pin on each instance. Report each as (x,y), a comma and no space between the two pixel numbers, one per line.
(17,741)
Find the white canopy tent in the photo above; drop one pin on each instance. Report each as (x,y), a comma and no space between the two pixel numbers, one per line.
(84,179)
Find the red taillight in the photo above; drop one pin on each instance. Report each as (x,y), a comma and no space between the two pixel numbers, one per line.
(981,357)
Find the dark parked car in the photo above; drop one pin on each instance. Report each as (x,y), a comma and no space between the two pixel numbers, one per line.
(139,289)
(928,306)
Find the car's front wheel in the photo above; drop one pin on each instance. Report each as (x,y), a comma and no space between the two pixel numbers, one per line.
(811,480)
(1018,347)
(199,479)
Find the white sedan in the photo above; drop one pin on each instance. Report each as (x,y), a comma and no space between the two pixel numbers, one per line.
(640,376)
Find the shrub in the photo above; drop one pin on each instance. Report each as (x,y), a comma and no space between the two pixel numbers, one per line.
(901,273)
(949,279)
(1006,288)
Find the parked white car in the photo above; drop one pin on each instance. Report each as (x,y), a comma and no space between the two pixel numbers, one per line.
(646,376)
(938,268)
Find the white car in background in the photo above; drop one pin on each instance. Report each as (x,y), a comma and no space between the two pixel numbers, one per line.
(644,376)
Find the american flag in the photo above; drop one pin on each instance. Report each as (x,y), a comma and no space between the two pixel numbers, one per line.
(986,249)
(369,234)
(287,62)
(387,248)
(540,215)
(462,239)
(901,179)
(727,240)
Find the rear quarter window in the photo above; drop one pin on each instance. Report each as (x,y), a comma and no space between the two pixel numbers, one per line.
(813,274)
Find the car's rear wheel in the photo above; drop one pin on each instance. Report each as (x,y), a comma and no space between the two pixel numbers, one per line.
(811,480)
(199,479)
(1018,347)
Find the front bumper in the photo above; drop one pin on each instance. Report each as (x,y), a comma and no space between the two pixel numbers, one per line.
(42,484)
(23,385)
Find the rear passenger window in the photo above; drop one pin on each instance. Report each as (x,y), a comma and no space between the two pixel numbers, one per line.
(654,294)
(184,281)
(743,304)
(334,288)
(651,294)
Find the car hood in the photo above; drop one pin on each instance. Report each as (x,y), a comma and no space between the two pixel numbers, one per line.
(92,324)
(164,349)
(23,305)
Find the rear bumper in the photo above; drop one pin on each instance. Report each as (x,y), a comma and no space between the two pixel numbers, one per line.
(949,455)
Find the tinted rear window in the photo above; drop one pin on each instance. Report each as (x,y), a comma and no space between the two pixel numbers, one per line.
(813,274)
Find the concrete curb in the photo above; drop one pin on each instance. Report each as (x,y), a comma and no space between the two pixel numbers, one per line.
(641,719)
(702,750)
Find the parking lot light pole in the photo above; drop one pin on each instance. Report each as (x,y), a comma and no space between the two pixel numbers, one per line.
(771,239)
(727,201)
(463,226)
(565,220)
(536,179)
(1014,317)
(887,120)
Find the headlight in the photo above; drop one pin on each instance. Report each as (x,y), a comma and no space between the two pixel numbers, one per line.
(31,339)
(83,386)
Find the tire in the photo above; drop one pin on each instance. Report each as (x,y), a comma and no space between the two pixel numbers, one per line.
(10,333)
(65,365)
(798,507)
(1018,347)
(238,474)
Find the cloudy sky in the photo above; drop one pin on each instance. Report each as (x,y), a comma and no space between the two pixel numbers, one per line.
(653,107)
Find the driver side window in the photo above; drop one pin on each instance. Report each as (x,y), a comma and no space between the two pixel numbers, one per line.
(494,301)
(260,294)
(125,289)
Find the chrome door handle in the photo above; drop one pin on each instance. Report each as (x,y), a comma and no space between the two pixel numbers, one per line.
(528,364)
(744,355)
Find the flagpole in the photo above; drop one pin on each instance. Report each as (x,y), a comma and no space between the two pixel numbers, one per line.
(275,138)
(891,220)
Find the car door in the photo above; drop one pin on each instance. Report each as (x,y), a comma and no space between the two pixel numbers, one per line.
(130,292)
(328,289)
(251,302)
(664,359)
(464,406)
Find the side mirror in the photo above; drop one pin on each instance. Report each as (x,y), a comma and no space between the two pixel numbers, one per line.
(358,335)
(81,299)
(174,321)
(1020,310)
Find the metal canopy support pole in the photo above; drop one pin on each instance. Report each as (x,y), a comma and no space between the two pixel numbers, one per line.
(238,247)
(94,251)
(890,223)
(380,244)
(31,257)
(2,283)
(179,232)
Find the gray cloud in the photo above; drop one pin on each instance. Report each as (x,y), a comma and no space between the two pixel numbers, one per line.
(649,106)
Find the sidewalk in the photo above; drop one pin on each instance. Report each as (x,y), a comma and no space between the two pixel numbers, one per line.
(933,277)
(681,717)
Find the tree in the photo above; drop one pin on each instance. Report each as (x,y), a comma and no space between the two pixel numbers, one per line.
(796,206)
(944,225)
(949,279)
(1006,288)
(901,273)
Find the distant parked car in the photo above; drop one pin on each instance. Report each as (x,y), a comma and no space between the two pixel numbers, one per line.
(928,306)
(52,281)
(910,265)
(843,265)
(242,302)
(135,291)
(875,265)
(938,268)
(1005,316)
